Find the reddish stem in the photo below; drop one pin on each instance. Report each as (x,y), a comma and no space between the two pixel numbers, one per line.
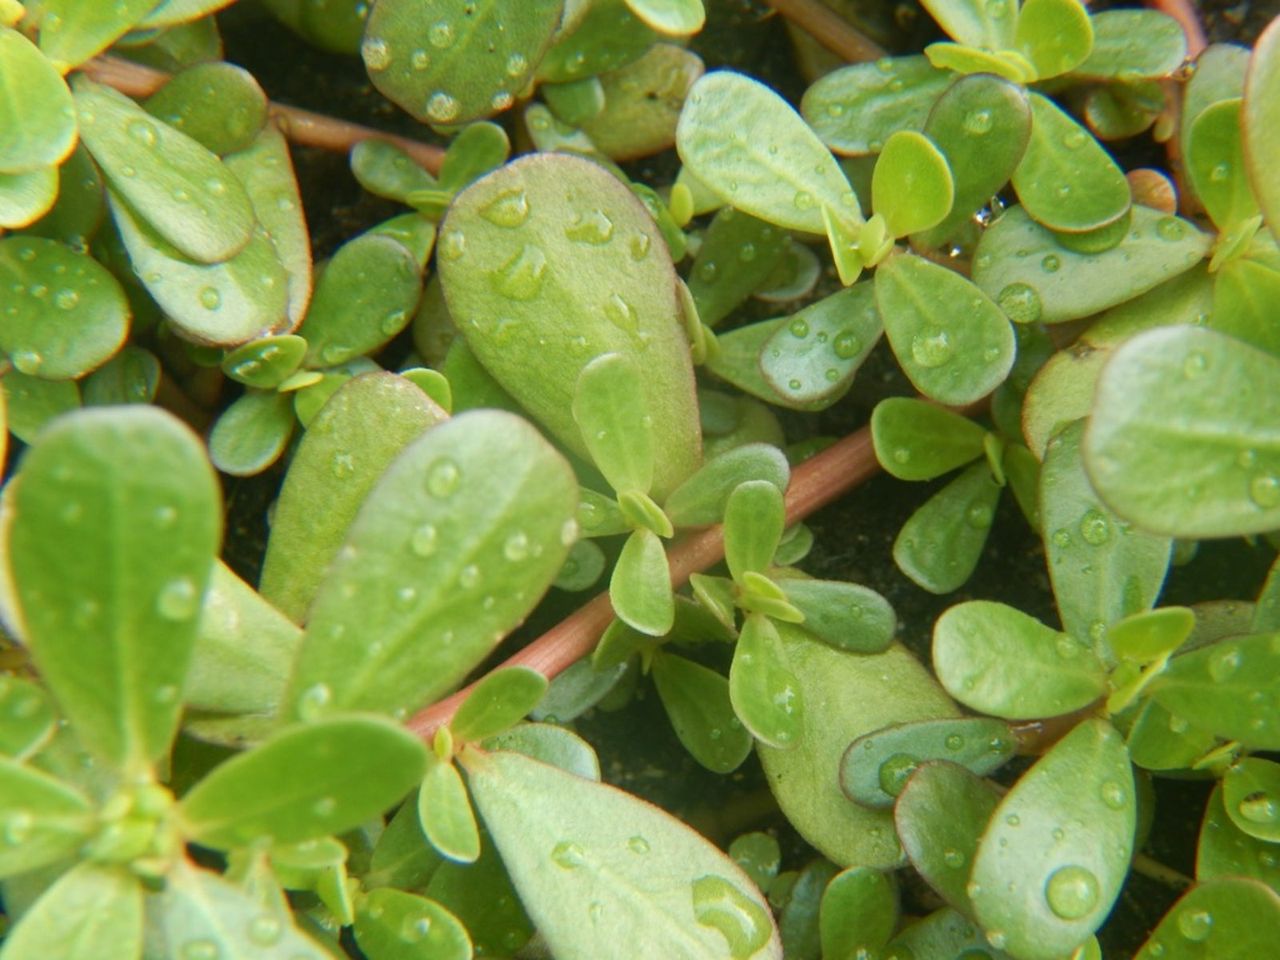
(829,29)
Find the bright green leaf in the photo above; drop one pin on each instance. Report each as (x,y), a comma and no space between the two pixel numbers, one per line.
(72,31)
(737,253)
(1215,163)
(696,699)
(1244,296)
(859,912)
(1261,127)
(609,407)
(550,743)
(386,170)
(759,855)
(1231,918)
(943,933)
(976,23)
(45,819)
(395,925)
(916,440)
(1251,797)
(252,433)
(1116,56)
(847,616)
(642,102)
(498,701)
(37,117)
(265,363)
(604,36)
(445,812)
(32,402)
(131,376)
(701,499)
(26,197)
(28,711)
(1055,35)
(677,18)
(219,105)
(106,902)
(754,517)
(1224,850)
(1006,64)
(765,694)
(1148,636)
(640,588)
(478,149)
(940,544)
(912,186)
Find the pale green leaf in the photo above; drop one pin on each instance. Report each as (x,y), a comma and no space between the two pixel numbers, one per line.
(37,117)
(29,713)
(26,197)
(395,925)
(765,694)
(1230,918)
(219,105)
(445,812)
(859,912)
(1215,163)
(640,588)
(847,616)
(940,544)
(1261,125)
(1055,35)
(677,18)
(1116,54)
(32,402)
(696,700)
(912,186)
(498,701)
(609,408)
(72,31)
(601,35)
(701,499)
(915,440)
(252,433)
(977,23)
(45,819)
(642,102)
(106,902)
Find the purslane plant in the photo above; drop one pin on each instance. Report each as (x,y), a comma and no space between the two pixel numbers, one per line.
(519,383)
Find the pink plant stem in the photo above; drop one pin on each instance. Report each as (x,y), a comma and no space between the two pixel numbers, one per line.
(829,29)
(814,484)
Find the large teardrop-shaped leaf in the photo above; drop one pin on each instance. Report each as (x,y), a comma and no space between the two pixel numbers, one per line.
(845,695)
(912,186)
(940,544)
(37,117)
(608,405)
(916,440)
(106,902)
(1182,439)
(173,184)
(532,268)
(640,588)
(747,144)
(1054,35)
(976,23)
(596,868)
(1261,123)
(116,524)
(1231,918)
(449,64)
(766,695)
(308,781)
(952,341)
(454,546)
(1001,661)
(353,439)
(1215,163)
(697,702)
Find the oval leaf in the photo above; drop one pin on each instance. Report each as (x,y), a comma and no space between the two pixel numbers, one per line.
(1261,133)
(915,440)
(608,405)
(737,254)
(912,186)
(45,820)
(940,544)
(252,433)
(395,925)
(754,517)
(1215,162)
(498,701)
(1227,918)
(1054,35)
(219,105)
(640,588)
(1251,797)
(766,695)
(696,699)
(701,499)
(37,116)
(847,616)
(106,901)
(445,812)
(858,913)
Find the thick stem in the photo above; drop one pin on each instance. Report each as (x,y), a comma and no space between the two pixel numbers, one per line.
(814,484)
(829,29)
(301,126)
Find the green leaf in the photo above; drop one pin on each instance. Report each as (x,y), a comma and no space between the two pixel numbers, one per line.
(1102,569)
(759,855)
(552,744)
(697,702)
(31,402)
(738,251)
(800,918)
(981,124)
(1244,292)
(131,376)
(677,18)
(912,186)
(1052,283)
(876,766)
(940,817)
(37,116)
(252,433)
(1215,162)
(353,439)
(609,407)
(171,183)
(998,660)
(1055,35)
(386,170)
(1231,918)
(1081,790)
(859,912)
(845,696)
(1148,636)
(446,64)
(975,23)
(1167,453)
(28,711)
(754,517)
(26,197)
(812,358)
(1066,181)
(445,812)
(606,35)
(265,363)
(640,588)
(1225,850)
(1251,797)
(1006,64)
(642,102)
(943,933)
(478,149)
(596,867)
(218,105)
(106,902)
(364,296)
(45,819)
(498,701)
(579,687)
(1116,57)
(599,516)
(199,910)
(701,499)
(456,543)
(940,544)
(916,440)
(765,694)
(395,925)
(1260,126)
(289,788)
(951,340)
(529,269)
(115,529)
(856,109)
(770,165)
(72,31)
(66,313)
(847,616)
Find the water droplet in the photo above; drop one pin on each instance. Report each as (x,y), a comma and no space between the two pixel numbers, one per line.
(978,516)
(1224,663)
(1095,528)
(17,827)
(453,245)
(594,228)
(1259,807)
(143,131)
(799,327)
(621,314)
(343,465)
(376,54)
(441,108)
(1020,303)
(894,772)
(1178,724)
(521,278)
(405,596)
(200,950)
(997,938)
(510,208)
(165,694)
(210,298)
(178,599)
(1050,263)
(423,541)
(516,65)
(1195,925)
(568,534)
(803,200)
(440,35)
(1013,820)
(1195,365)
(324,807)
(420,59)
(1265,491)
(516,547)
(931,348)
(1170,228)
(1220,172)
(954,741)
(639,245)
(265,930)
(638,844)
(568,855)
(846,345)
(443,477)
(742,922)
(27,361)
(1071,892)
(469,576)
(66,299)
(1113,795)
(501,100)
(1075,139)
(978,122)
(953,858)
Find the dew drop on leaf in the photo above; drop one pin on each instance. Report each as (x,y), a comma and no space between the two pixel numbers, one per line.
(376,54)
(621,314)
(1195,925)
(521,278)
(568,855)
(978,122)
(200,950)
(1113,795)
(1259,807)
(443,477)
(1265,491)
(1224,663)
(931,349)
(1170,228)
(441,107)
(178,599)
(1020,303)
(718,904)
(510,208)
(265,930)
(1095,528)
(895,771)
(1071,892)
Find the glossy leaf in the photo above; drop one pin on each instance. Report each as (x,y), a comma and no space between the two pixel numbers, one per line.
(940,544)
(701,499)
(29,715)
(953,343)
(1260,123)
(858,913)
(446,64)
(912,186)
(975,23)
(386,170)
(640,588)
(131,376)
(65,314)
(998,660)
(475,151)
(1175,457)
(552,744)
(1052,283)
(354,438)
(1006,64)
(855,109)
(765,694)
(445,812)
(800,919)
(1116,56)
(602,35)
(753,523)
(738,251)
(187,103)
(759,855)
(580,852)
(1066,181)
(1215,163)
(940,816)
(171,183)
(876,766)
(252,433)
(46,819)
(110,623)
(498,702)
(1145,637)
(642,102)
(696,700)
(1102,568)
(916,440)
(81,204)
(395,925)
(1251,797)
(1082,791)
(26,197)
(608,405)
(1225,850)
(37,116)
(847,616)
(31,402)
(812,358)
(265,363)
(1054,35)
(943,933)
(845,696)
(1244,292)
(1223,919)
(772,165)
(456,543)
(106,902)
(526,266)
(288,788)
